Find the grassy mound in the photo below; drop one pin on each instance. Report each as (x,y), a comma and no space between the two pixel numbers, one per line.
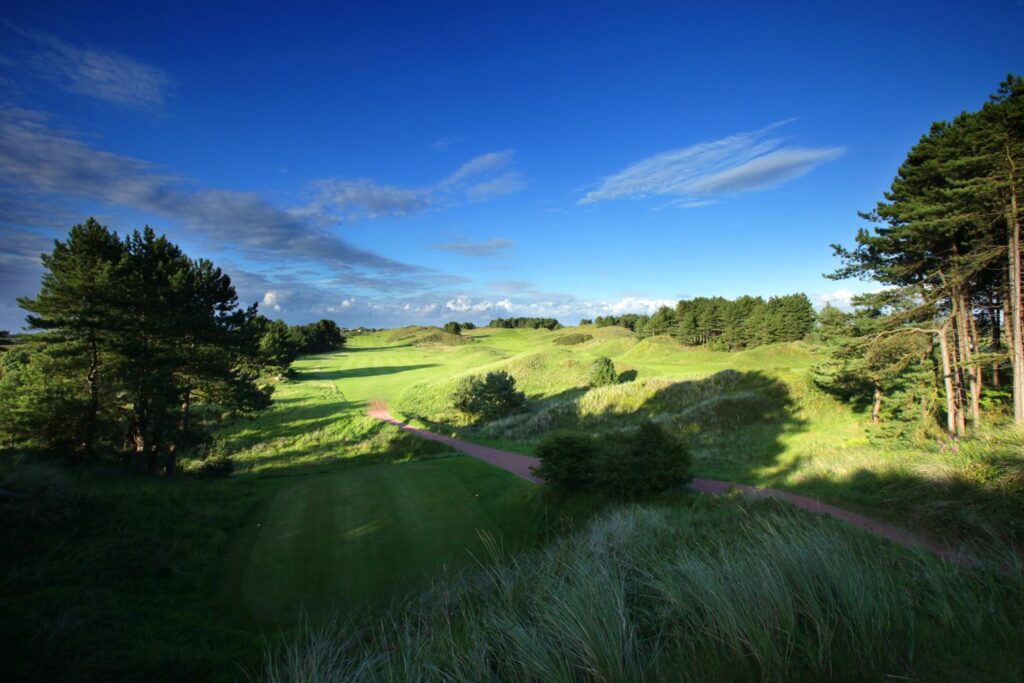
(714,590)
(572,339)
(424,336)
(441,338)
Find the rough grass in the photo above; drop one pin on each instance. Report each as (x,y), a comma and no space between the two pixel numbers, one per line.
(107,575)
(708,590)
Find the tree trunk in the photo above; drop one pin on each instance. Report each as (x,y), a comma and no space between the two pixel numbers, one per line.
(956,368)
(140,430)
(92,378)
(947,381)
(1014,327)
(183,423)
(974,368)
(996,341)
(876,402)
(965,351)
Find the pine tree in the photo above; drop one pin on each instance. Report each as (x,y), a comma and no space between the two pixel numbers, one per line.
(74,308)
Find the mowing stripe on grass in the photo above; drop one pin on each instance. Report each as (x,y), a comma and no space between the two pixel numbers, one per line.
(522,465)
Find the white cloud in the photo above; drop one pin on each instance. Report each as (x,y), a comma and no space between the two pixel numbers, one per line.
(485,163)
(364,197)
(483,177)
(492,247)
(743,162)
(630,304)
(839,298)
(100,74)
(460,304)
(275,298)
(40,163)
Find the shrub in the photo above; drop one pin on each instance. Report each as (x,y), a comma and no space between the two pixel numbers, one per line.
(573,339)
(602,372)
(568,460)
(646,462)
(453,327)
(488,397)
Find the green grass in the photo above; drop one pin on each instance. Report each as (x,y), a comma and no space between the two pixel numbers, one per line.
(359,538)
(118,576)
(723,590)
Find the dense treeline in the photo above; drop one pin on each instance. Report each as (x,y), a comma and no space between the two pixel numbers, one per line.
(721,323)
(280,343)
(527,323)
(945,243)
(133,335)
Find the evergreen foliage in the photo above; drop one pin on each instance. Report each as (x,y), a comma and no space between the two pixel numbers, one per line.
(568,460)
(488,397)
(719,323)
(946,243)
(527,323)
(132,334)
(646,461)
(453,327)
(603,373)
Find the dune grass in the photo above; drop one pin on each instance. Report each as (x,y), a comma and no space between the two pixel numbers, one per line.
(723,590)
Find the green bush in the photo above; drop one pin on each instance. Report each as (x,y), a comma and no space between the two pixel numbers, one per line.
(453,327)
(602,372)
(647,462)
(568,460)
(573,339)
(488,397)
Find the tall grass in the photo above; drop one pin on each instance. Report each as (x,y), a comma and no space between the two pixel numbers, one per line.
(716,590)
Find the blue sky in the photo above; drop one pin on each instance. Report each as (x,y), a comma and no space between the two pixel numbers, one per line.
(384,163)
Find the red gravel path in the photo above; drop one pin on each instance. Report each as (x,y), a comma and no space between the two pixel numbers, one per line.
(522,465)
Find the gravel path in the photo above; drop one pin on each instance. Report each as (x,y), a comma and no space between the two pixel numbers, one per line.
(522,465)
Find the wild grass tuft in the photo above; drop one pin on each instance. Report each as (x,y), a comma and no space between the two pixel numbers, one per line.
(717,590)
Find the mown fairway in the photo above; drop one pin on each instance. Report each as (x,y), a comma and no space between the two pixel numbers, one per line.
(355,539)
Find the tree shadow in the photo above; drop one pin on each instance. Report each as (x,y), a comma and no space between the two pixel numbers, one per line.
(331,375)
(980,501)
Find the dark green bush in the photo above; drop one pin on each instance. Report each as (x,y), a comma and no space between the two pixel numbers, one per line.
(602,372)
(453,327)
(568,460)
(647,462)
(488,397)
(573,339)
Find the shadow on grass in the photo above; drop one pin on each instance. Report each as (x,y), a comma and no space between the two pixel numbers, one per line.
(735,424)
(959,504)
(330,375)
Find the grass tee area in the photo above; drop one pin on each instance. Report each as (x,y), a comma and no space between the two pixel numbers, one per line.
(332,514)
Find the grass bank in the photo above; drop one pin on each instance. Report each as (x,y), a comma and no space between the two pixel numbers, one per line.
(699,589)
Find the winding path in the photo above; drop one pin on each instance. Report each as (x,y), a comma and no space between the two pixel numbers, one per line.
(522,466)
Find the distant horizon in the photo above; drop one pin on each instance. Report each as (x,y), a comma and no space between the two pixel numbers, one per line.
(412,165)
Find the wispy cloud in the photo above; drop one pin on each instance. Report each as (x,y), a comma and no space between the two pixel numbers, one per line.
(37,160)
(483,177)
(493,247)
(743,162)
(477,166)
(100,74)
(443,143)
(364,197)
